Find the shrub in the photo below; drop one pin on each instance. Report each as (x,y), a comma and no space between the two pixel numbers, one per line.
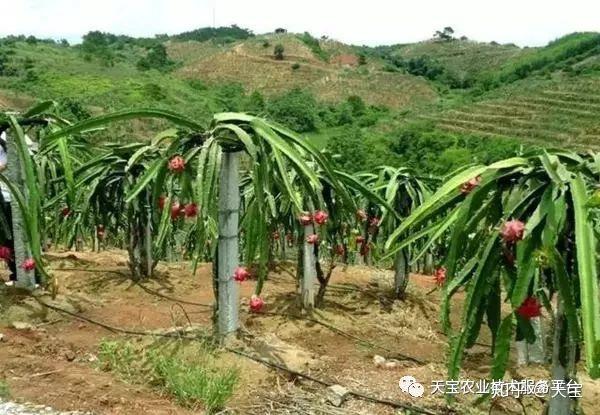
(296,109)
(357,104)
(73,109)
(295,66)
(344,114)
(369,119)
(28,63)
(197,84)
(314,45)
(230,96)
(278,51)
(350,149)
(156,58)
(266,44)
(254,103)
(31,76)
(153,91)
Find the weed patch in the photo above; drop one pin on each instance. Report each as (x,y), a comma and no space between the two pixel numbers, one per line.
(185,371)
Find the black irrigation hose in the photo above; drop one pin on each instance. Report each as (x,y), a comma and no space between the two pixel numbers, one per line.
(359,395)
(238,352)
(166,297)
(313,320)
(112,328)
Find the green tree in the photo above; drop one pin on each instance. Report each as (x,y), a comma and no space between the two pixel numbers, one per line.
(96,44)
(444,35)
(357,104)
(156,58)
(297,109)
(350,149)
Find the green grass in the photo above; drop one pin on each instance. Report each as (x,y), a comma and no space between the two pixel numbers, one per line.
(119,357)
(188,372)
(4,390)
(192,384)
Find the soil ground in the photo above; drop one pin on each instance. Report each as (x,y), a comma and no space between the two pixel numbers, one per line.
(51,357)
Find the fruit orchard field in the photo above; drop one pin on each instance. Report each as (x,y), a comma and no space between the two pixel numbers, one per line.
(60,353)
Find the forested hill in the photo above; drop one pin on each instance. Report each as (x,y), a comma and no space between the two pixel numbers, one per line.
(436,104)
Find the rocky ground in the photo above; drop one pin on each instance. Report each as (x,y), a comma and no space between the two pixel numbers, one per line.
(13,408)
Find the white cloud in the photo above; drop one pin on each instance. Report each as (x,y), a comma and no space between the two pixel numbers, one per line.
(525,22)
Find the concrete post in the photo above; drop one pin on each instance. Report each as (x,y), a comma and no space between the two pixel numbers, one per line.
(309,274)
(228,255)
(25,279)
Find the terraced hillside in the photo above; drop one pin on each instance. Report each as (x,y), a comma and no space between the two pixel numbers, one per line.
(464,58)
(564,111)
(545,95)
(252,64)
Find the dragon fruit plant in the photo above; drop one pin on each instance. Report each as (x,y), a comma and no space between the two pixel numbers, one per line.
(522,232)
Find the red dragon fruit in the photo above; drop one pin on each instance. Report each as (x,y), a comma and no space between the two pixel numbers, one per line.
(176,210)
(256,303)
(321,217)
(364,249)
(530,308)
(190,210)
(339,250)
(5,253)
(469,185)
(177,164)
(241,274)
(312,239)
(512,231)
(28,264)
(440,276)
(100,232)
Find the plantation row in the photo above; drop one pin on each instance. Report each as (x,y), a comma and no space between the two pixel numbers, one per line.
(565,118)
(239,192)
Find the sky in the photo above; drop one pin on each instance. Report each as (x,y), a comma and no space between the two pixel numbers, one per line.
(372,22)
